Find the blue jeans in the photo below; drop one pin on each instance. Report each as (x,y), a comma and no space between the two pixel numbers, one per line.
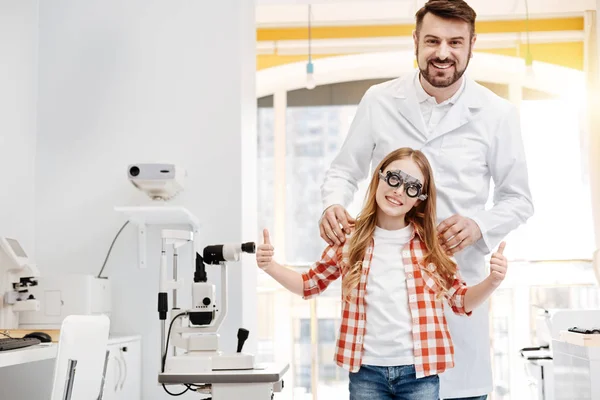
(392,383)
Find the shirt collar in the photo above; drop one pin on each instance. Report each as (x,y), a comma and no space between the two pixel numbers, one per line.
(415,232)
(423,96)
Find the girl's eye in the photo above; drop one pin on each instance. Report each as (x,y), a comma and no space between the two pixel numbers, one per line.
(412,191)
(394,180)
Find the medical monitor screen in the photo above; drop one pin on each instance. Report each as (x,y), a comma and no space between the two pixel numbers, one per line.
(16,248)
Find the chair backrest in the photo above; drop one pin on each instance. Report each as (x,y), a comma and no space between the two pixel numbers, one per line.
(79,366)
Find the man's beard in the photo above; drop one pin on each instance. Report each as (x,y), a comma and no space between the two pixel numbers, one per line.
(438,81)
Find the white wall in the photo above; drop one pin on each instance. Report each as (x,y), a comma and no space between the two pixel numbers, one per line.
(18,85)
(593,97)
(143,81)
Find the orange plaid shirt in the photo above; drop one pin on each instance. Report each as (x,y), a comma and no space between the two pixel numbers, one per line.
(433,349)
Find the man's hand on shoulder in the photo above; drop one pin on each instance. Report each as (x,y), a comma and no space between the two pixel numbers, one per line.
(334,219)
(458,232)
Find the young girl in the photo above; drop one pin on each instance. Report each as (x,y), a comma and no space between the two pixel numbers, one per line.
(393,337)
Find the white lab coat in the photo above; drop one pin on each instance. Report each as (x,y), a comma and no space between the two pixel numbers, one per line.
(478,139)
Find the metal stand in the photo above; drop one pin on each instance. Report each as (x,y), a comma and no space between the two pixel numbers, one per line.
(104,375)
(70,379)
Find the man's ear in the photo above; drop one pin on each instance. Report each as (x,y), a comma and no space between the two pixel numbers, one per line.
(473,40)
(415,36)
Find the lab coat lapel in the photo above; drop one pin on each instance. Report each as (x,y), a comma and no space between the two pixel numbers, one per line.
(408,106)
(465,108)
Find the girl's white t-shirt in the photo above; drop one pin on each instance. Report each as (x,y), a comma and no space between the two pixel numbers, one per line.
(388,338)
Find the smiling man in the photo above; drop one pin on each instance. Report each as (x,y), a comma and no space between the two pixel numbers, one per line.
(471,137)
(443,48)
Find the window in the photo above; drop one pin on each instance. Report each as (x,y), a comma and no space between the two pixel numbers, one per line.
(561,227)
(314,136)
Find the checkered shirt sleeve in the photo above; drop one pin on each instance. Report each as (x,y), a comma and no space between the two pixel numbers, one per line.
(456,296)
(323,272)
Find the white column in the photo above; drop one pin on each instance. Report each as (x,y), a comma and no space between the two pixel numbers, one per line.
(314,348)
(283,315)
(245,42)
(279,110)
(284,336)
(592,74)
(519,337)
(146,81)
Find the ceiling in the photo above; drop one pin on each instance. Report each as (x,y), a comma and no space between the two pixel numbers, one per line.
(284,13)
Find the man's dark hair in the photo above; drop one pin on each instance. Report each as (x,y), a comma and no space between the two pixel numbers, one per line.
(450,9)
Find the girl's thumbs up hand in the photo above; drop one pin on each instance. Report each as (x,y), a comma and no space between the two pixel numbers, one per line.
(264,253)
(498,265)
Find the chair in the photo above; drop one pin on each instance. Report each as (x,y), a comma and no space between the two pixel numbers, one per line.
(81,360)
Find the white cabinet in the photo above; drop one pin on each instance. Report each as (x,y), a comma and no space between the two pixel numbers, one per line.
(123,380)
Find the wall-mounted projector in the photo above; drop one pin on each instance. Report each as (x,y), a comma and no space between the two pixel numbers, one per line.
(159,181)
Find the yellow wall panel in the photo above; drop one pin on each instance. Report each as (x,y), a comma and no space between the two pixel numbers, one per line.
(369,31)
(564,54)
(268,60)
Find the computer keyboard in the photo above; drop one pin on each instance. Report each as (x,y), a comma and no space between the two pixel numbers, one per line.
(17,343)
(584,330)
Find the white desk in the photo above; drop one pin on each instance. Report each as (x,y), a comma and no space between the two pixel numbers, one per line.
(257,384)
(47,351)
(29,354)
(123,376)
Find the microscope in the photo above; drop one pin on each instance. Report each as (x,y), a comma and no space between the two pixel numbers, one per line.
(190,352)
(196,329)
(17,275)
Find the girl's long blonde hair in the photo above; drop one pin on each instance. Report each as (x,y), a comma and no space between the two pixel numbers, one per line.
(422,217)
